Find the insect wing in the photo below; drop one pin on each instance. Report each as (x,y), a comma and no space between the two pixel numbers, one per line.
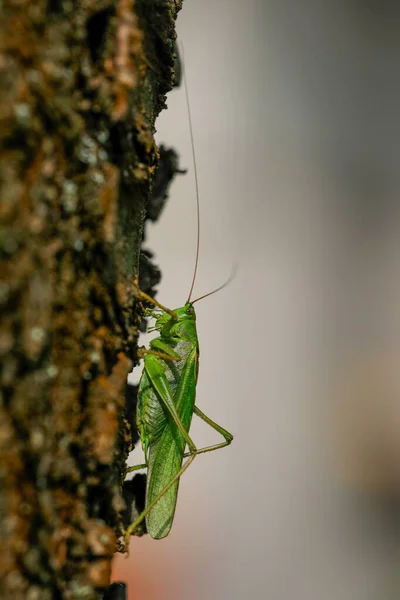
(166,454)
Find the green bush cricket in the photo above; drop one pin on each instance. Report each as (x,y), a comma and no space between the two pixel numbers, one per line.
(166,401)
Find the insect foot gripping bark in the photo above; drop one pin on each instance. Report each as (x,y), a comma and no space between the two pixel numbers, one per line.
(166,403)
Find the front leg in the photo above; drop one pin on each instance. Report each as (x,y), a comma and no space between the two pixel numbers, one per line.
(135,468)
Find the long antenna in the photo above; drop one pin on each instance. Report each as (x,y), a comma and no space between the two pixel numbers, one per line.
(195,176)
(221,287)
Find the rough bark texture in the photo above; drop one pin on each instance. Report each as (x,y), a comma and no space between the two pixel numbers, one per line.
(81,84)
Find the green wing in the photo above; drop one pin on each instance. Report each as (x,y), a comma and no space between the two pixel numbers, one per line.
(166,454)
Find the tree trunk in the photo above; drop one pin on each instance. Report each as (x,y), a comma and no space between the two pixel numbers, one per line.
(80,86)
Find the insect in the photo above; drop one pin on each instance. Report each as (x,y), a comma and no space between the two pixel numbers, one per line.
(166,400)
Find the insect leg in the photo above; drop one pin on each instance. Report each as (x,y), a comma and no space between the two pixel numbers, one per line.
(156,303)
(192,455)
(146,511)
(135,468)
(161,346)
(225,434)
(160,349)
(143,351)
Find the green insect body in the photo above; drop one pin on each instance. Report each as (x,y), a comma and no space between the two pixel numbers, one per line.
(166,404)
(175,382)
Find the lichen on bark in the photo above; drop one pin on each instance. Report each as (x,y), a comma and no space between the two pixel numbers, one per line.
(81,84)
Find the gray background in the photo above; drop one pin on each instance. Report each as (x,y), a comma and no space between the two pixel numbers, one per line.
(295,117)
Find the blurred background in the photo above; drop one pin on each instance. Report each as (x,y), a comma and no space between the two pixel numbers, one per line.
(295,109)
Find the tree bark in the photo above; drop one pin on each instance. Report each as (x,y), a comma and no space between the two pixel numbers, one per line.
(81,84)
